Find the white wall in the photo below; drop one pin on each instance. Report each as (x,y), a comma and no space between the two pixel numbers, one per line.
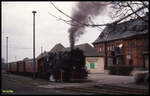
(98,64)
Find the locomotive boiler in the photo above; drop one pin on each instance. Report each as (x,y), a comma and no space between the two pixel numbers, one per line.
(63,66)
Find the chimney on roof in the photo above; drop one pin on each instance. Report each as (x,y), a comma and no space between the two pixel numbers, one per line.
(41,49)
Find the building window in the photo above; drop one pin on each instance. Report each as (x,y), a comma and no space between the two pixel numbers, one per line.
(146,42)
(113,47)
(129,55)
(130,62)
(97,48)
(100,49)
(131,44)
(108,48)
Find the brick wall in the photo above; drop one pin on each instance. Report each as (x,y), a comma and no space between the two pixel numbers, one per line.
(133,47)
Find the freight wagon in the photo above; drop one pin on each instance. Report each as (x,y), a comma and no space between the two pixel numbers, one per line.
(12,67)
(23,67)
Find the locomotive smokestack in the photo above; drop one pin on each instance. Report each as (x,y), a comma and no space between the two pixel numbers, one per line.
(80,16)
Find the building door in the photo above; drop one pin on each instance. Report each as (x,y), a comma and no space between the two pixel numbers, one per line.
(110,61)
(119,60)
(92,65)
(146,62)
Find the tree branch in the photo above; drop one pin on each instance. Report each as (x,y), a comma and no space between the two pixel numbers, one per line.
(66,14)
(129,14)
(96,25)
(135,12)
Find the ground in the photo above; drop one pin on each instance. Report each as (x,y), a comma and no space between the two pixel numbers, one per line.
(96,84)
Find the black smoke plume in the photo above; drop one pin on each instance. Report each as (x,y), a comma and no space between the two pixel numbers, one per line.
(80,16)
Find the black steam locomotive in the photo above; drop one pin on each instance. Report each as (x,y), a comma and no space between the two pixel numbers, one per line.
(64,66)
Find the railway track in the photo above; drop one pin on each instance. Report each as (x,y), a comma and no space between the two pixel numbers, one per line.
(108,89)
(86,88)
(124,90)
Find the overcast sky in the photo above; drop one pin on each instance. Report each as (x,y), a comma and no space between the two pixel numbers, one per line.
(17,24)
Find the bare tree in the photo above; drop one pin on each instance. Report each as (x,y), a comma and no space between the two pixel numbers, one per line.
(123,9)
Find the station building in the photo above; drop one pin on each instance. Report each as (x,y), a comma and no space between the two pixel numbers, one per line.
(126,43)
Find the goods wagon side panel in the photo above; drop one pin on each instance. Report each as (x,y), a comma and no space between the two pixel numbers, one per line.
(20,66)
(31,66)
(9,67)
(14,67)
(36,65)
(28,66)
(17,65)
(24,66)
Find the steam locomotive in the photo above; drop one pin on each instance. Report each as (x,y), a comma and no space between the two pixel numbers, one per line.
(66,66)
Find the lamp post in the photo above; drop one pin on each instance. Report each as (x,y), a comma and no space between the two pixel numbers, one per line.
(7,54)
(34,44)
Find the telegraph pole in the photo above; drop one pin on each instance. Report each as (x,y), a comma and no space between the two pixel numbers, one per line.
(34,44)
(41,49)
(7,54)
(15,58)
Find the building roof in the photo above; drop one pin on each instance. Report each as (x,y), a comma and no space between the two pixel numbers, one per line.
(57,47)
(42,55)
(87,49)
(124,30)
